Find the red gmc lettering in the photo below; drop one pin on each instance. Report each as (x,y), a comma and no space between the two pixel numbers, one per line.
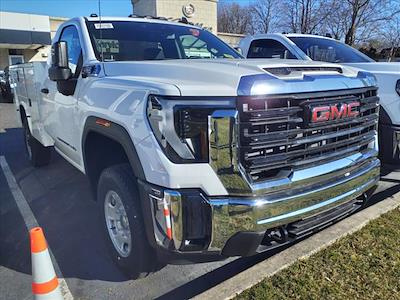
(320,114)
(352,109)
(336,114)
(326,113)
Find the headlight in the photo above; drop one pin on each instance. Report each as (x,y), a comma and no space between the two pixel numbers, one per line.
(398,87)
(181,126)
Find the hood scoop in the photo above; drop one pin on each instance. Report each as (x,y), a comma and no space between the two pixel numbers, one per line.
(286,71)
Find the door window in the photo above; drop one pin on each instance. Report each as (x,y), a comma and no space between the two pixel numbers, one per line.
(268,48)
(70,35)
(329,50)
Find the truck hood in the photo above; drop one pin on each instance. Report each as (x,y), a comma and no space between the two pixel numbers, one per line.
(379,67)
(224,77)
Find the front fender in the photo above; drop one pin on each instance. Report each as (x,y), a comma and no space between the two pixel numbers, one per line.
(120,135)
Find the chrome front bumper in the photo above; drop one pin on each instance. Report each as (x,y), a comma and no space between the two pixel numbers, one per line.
(204,225)
(257,214)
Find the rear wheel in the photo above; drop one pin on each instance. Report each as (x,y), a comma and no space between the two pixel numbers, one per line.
(38,154)
(123,227)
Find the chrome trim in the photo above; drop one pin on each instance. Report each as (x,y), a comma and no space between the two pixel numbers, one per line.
(268,84)
(223,134)
(223,137)
(232,215)
(174,199)
(224,155)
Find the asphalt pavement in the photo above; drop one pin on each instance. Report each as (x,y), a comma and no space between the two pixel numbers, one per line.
(60,199)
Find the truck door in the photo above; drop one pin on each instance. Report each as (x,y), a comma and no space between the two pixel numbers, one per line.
(63,116)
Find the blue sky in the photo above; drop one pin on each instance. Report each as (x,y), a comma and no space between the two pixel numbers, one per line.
(67,8)
(73,8)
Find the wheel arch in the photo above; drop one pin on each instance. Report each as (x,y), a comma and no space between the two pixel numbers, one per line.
(103,146)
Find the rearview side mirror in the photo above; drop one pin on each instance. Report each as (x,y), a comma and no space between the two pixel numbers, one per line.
(59,70)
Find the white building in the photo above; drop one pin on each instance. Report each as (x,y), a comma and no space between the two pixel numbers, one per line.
(25,37)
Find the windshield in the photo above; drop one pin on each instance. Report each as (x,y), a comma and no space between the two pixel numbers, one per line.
(329,50)
(134,41)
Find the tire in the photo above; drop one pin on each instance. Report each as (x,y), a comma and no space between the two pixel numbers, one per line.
(132,254)
(388,136)
(38,154)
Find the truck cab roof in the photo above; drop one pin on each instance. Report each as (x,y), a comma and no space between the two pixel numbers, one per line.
(143,19)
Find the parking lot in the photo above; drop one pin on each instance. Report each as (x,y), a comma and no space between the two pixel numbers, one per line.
(60,200)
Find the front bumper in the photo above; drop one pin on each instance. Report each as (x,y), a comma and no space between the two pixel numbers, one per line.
(259,214)
(233,226)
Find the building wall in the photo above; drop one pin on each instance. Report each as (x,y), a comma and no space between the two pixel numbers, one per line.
(205,10)
(205,14)
(231,39)
(23,22)
(144,7)
(55,22)
(32,52)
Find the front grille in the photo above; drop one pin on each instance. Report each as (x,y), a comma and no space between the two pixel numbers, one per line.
(277,137)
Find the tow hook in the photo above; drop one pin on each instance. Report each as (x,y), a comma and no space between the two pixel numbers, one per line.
(364,199)
(279,235)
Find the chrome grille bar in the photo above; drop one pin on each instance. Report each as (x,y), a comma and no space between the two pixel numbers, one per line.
(275,133)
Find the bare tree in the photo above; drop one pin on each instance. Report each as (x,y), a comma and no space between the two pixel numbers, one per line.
(334,23)
(391,36)
(354,21)
(234,18)
(360,20)
(305,16)
(265,15)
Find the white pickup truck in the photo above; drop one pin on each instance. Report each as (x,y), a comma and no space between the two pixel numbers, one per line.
(194,153)
(318,48)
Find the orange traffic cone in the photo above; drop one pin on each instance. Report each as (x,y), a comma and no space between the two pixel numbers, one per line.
(44,279)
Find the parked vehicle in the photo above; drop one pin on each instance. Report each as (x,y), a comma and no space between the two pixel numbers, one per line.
(311,47)
(194,153)
(5,88)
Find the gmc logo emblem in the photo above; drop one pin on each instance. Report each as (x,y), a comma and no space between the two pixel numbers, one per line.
(334,112)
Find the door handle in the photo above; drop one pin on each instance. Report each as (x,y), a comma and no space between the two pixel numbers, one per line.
(45,91)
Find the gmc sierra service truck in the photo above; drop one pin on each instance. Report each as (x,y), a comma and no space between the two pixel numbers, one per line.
(312,47)
(194,153)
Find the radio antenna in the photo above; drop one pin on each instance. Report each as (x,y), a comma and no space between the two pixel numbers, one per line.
(101,32)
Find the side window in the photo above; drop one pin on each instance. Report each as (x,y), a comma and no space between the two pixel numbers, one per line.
(194,47)
(317,52)
(70,35)
(267,48)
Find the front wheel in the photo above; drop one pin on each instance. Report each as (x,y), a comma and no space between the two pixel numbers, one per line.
(38,154)
(123,227)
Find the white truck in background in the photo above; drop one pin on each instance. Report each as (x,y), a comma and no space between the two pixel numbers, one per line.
(193,152)
(318,48)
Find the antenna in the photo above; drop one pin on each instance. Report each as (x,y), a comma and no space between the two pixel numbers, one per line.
(101,32)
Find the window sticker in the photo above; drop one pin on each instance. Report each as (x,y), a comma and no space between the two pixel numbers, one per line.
(103,26)
(108,46)
(194,32)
